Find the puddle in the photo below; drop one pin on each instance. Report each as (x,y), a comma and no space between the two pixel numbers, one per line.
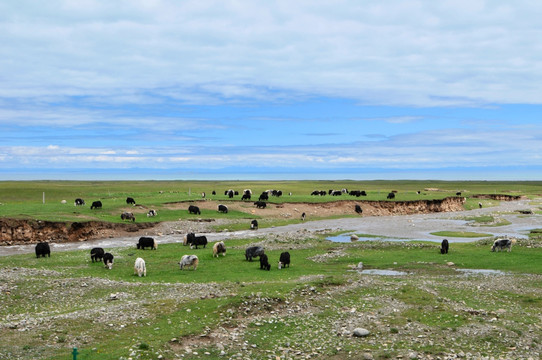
(346,238)
(383,272)
(481,272)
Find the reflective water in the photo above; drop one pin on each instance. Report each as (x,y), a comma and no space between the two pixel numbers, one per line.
(383,272)
(481,272)
(346,238)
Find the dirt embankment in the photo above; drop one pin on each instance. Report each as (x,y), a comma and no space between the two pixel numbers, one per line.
(499,197)
(15,232)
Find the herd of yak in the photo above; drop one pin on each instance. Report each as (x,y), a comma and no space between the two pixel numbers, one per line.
(98,254)
(247,195)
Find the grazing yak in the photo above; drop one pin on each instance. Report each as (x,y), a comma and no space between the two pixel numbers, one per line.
(444,245)
(193,209)
(284,260)
(189,261)
(97,254)
(152,213)
(42,249)
(303,216)
(501,245)
(247,194)
(253,251)
(260,204)
(139,267)
(193,240)
(391,196)
(79,202)
(127,216)
(254,225)
(264,263)
(222,208)
(229,193)
(108,260)
(130,201)
(219,248)
(145,242)
(96,205)
(263,196)
(358,209)
(198,240)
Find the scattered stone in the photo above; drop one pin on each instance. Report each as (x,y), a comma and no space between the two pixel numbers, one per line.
(360,332)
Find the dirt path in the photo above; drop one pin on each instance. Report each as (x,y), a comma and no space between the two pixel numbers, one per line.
(409,227)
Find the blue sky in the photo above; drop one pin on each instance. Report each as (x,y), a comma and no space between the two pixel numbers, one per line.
(270,90)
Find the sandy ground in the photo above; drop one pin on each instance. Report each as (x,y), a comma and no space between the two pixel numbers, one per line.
(408,227)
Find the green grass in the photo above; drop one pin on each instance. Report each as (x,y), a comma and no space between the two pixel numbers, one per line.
(165,312)
(24,199)
(156,309)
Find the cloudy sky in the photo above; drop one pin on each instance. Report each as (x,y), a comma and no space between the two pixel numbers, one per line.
(158,89)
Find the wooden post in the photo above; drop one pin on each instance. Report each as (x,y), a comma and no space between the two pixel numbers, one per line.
(44,197)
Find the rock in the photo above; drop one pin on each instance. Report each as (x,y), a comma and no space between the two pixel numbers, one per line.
(413,355)
(360,266)
(354,237)
(449,263)
(360,332)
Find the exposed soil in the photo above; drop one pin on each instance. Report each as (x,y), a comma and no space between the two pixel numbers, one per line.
(18,232)
(343,207)
(15,231)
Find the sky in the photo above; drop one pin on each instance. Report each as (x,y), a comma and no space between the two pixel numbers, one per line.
(270,90)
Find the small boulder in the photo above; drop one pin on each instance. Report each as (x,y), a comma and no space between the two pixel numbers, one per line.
(360,332)
(354,237)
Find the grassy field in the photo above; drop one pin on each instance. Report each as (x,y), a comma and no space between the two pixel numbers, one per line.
(66,300)
(229,308)
(24,199)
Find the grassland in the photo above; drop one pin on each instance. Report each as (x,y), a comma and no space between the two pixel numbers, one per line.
(229,308)
(25,199)
(50,305)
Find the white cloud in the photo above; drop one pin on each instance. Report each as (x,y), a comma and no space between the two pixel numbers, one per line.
(413,53)
(425,150)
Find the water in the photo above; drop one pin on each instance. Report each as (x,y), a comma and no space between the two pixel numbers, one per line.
(345,238)
(485,272)
(382,272)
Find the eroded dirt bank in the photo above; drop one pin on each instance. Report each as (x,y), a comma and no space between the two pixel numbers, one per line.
(14,231)
(20,232)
